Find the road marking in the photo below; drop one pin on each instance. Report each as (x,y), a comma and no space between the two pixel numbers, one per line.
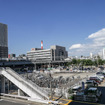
(68,102)
(88,103)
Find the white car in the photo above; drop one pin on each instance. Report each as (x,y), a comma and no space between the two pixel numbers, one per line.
(95,76)
(76,89)
(100,76)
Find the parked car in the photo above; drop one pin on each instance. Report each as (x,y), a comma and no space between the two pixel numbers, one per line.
(91,83)
(99,73)
(95,79)
(100,77)
(76,89)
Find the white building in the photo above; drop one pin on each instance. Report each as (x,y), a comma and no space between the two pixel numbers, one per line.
(55,53)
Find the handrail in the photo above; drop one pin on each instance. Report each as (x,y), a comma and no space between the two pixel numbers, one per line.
(33,84)
(28,83)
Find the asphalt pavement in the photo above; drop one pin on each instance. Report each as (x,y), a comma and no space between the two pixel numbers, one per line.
(5,102)
(17,102)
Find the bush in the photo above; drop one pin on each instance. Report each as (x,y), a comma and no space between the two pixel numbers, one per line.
(71,97)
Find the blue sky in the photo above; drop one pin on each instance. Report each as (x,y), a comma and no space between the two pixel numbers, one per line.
(68,23)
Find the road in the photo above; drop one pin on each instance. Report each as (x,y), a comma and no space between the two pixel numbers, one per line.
(5,102)
(16,102)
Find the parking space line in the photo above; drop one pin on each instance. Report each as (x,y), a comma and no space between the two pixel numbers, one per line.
(68,102)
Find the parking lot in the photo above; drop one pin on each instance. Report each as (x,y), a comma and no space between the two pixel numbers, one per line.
(102,100)
(101,87)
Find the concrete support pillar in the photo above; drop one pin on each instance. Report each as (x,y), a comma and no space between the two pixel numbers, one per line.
(20,92)
(2,84)
(49,65)
(35,66)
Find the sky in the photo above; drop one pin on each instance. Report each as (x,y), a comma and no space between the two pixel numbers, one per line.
(78,25)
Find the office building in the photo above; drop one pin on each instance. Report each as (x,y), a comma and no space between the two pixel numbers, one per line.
(58,53)
(55,53)
(3,41)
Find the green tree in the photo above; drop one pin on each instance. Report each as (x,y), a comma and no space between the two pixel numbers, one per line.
(74,61)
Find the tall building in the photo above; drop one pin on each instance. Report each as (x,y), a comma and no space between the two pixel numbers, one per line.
(55,53)
(3,41)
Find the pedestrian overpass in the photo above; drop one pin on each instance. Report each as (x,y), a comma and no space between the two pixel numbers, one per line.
(28,87)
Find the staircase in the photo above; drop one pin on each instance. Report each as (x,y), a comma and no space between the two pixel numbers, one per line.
(30,88)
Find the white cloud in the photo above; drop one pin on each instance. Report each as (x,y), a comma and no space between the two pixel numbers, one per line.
(75,46)
(98,34)
(97,42)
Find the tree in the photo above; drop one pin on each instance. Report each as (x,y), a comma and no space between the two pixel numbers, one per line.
(74,61)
